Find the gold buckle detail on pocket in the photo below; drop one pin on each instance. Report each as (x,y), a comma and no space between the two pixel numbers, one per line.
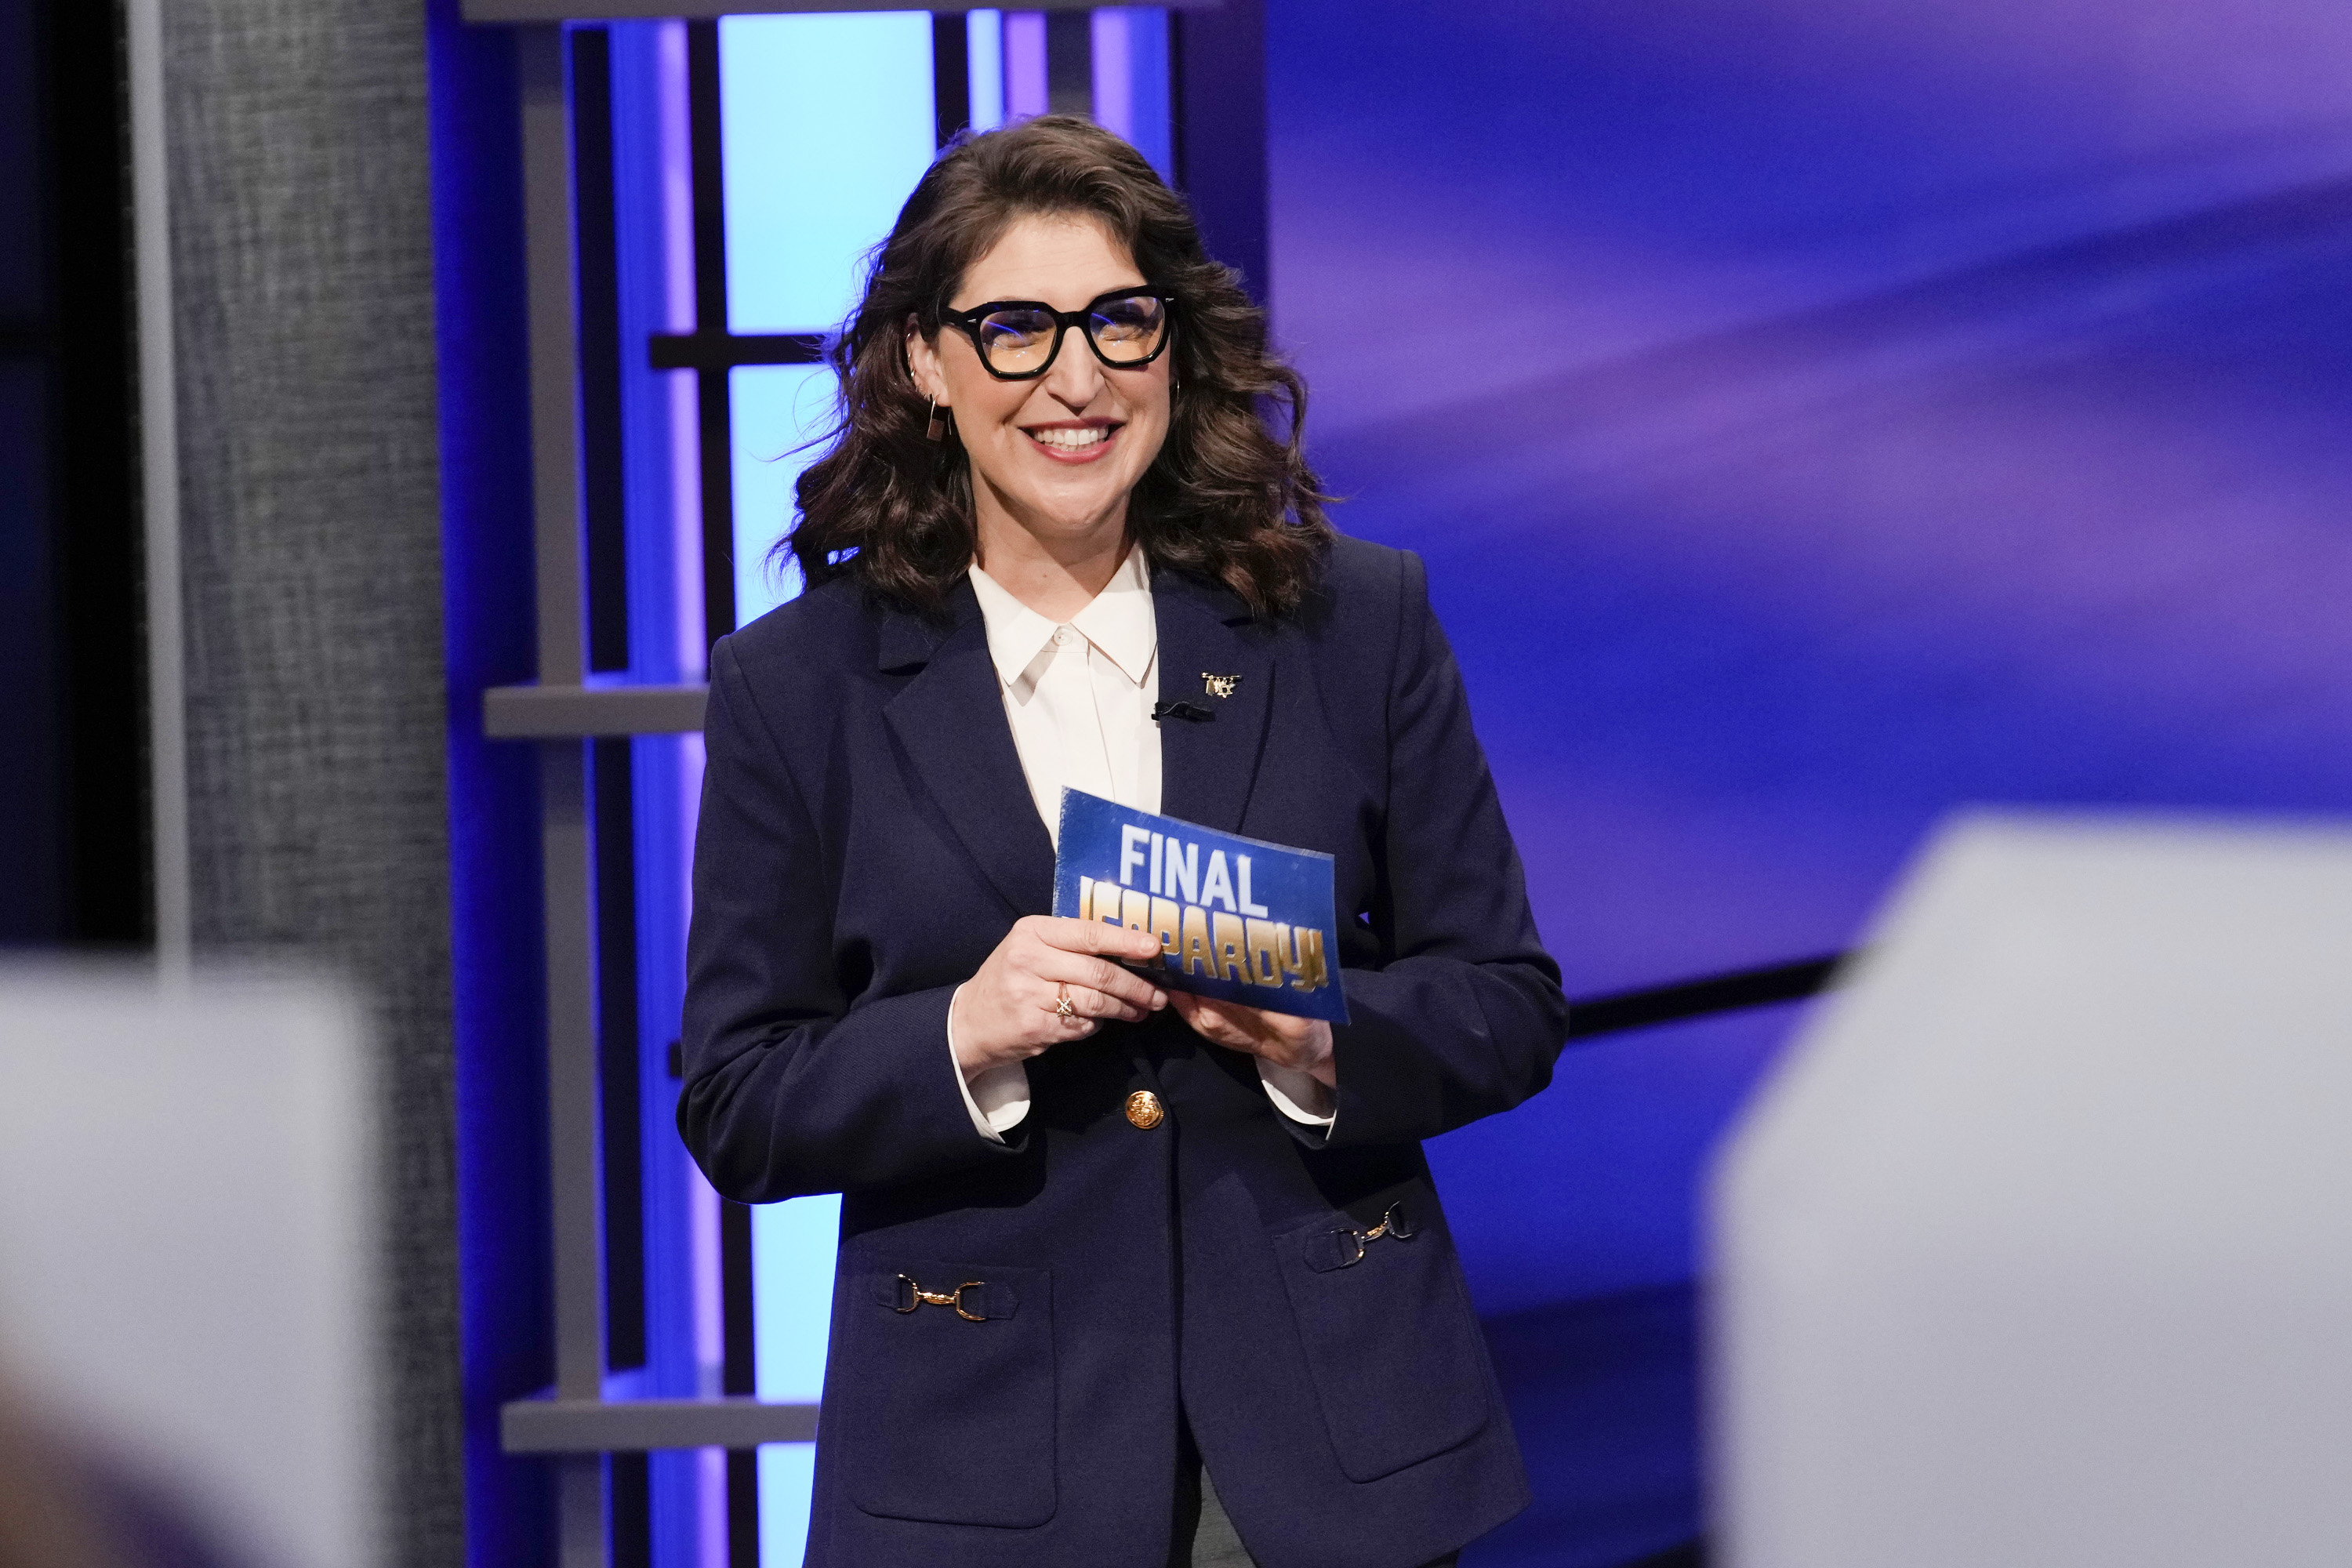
(915,1295)
(1392,1223)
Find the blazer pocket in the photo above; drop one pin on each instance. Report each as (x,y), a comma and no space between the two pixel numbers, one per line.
(945,1374)
(1391,1345)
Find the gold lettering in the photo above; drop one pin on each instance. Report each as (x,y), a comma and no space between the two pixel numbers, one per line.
(1262,952)
(1298,952)
(1197,959)
(1233,949)
(1135,910)
(1086,897)
(1313,973)
(1166,925)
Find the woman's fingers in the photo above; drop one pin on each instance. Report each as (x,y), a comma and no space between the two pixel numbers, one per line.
(1083,952)
(1010,1010)
(1211,1021)
(1087,1002)
(1094,936)
(1076,969)
(1303,1044)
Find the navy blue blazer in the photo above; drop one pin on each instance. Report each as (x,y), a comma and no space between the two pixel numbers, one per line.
(866,839)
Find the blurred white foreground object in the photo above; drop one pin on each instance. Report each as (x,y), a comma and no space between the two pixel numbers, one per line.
(2038,1251)
(186,1235)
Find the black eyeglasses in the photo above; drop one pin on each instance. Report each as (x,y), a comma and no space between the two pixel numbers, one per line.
(1017,339)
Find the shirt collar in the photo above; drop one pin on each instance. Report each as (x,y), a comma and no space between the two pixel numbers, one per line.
(1119,620)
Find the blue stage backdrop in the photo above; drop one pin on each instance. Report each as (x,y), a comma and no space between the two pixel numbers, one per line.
(1815,415)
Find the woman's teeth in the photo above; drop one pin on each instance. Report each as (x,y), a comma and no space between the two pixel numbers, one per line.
(1072,440)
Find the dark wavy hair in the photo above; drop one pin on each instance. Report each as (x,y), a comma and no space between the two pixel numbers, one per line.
(1229,497)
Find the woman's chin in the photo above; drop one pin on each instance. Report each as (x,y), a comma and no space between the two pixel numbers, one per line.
(1066,510)
(1067,523)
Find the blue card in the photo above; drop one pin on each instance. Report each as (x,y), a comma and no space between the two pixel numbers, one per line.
(1237,919)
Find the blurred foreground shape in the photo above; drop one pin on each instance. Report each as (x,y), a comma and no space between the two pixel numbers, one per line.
(187,1236)
(2036,1249)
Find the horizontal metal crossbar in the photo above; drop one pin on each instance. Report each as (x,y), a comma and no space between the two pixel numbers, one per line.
(726,351)
(575,713)
(547,1425)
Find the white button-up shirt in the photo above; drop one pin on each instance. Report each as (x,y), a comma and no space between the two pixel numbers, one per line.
(1078,696)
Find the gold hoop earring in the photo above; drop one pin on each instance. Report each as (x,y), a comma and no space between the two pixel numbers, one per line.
(936,429)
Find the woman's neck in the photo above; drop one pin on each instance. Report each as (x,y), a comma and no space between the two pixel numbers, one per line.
(1057,576)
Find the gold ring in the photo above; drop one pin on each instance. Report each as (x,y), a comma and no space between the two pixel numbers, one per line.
(1062,1008)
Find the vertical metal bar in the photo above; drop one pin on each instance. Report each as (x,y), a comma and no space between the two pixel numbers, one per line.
(612,805)
(705,131)
(951,76)
(573,1101)
(580,1512)
(574,1119)
(159,432)
(571,933)
(739,1375)
(554,349)
(1069,62)
(603,465)
(743,1507)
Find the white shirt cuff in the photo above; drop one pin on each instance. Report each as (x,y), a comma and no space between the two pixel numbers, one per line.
(1300,1096)
(997,1096)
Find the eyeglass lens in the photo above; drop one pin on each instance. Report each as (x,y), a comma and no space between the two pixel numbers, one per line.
(1124,331)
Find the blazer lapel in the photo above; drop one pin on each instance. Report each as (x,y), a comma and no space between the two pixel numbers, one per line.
(949,722)
(1208,644)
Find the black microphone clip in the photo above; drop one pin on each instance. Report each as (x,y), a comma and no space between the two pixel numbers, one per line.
(1179,710)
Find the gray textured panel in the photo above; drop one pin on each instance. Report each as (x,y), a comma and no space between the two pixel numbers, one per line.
(301,238)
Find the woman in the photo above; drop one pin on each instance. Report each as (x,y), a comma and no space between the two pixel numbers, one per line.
(1123,1273)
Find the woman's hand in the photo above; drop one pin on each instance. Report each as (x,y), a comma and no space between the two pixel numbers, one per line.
(1302,1044)
(1007,1012)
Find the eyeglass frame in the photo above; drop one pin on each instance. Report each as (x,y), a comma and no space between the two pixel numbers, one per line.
(968,322)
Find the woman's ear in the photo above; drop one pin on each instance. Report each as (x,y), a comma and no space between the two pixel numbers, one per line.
(923,365)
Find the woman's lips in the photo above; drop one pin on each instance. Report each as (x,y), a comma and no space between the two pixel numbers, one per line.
(1072,443)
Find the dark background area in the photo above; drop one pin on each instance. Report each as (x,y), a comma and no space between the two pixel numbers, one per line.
(72,786)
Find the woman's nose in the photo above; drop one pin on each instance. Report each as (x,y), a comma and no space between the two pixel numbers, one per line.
(1076,379)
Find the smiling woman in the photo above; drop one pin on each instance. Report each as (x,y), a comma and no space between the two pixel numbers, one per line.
(1126,1275)
(1001,216)
(1056,442)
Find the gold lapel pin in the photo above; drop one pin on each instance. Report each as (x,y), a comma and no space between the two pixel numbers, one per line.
(1220,685)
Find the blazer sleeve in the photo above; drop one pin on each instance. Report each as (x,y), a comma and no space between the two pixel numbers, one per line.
(793,1084)
(1465,1016)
